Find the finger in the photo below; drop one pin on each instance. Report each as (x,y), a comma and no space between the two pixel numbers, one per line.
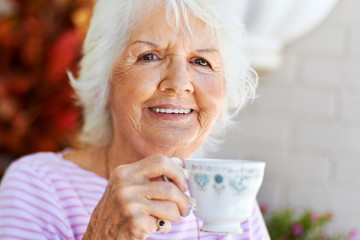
(158,166)
(160,199)
(163,209)
(167,192)
(141,226)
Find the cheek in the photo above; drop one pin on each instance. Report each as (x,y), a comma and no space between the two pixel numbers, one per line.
(135,84)
(130,88)
(210,92)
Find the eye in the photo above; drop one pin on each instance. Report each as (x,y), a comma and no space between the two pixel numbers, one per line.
(201,62)
(148,57)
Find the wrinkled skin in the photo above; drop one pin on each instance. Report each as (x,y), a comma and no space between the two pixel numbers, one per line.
(127,206)
(164,68)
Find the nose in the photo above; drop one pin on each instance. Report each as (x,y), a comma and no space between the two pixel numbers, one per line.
(178,79)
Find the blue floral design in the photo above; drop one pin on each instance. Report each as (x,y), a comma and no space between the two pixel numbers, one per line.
(239,184)
(218,178)
(201,179)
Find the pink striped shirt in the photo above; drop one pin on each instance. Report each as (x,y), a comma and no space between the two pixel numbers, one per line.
(44,196)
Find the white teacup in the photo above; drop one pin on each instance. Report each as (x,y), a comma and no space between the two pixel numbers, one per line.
(224,191)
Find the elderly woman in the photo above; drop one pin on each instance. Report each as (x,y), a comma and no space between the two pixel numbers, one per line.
(158,78)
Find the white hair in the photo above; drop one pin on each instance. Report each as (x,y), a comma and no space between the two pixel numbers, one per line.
(108,33)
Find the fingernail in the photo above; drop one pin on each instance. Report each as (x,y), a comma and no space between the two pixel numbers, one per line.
(176,160)
(165,178)
(186,173)
(192,204)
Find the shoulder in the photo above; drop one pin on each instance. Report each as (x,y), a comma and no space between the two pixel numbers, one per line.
(43,171)
(36,170)
(50,169)
(42,165)
(29,199)
(37,160)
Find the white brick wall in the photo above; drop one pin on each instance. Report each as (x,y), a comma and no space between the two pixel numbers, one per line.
(309,169)
(351,69)
(350,108)
(323,71)
(347,171)
(310,134)
(306,124)
(354,45)
(313,44)
(349,139)
(313,102)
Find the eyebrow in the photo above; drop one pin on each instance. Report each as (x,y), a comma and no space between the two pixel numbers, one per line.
(207,50)
(204,50)
(145,42)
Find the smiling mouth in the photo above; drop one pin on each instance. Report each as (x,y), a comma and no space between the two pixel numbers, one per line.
(170,110)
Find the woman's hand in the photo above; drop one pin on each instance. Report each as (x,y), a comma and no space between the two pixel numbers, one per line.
(136,197)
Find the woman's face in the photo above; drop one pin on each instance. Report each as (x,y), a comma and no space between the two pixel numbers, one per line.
(167,88)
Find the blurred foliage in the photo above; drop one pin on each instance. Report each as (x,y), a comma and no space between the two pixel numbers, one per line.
(39,41)
(287,225)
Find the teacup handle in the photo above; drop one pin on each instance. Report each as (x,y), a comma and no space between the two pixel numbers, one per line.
(192,204)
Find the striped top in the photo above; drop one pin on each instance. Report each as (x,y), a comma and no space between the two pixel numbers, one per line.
(44,196)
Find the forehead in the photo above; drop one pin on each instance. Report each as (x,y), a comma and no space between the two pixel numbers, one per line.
(153,24)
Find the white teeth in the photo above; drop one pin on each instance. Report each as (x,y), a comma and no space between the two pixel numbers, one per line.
(187,111)
(168,110)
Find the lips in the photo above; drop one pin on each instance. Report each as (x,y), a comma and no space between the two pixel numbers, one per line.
(170,110)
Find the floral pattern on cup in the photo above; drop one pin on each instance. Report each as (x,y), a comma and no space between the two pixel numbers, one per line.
(218,179)
(236,183)
(218,185)
(253,172)
(201,179)
(239,184)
